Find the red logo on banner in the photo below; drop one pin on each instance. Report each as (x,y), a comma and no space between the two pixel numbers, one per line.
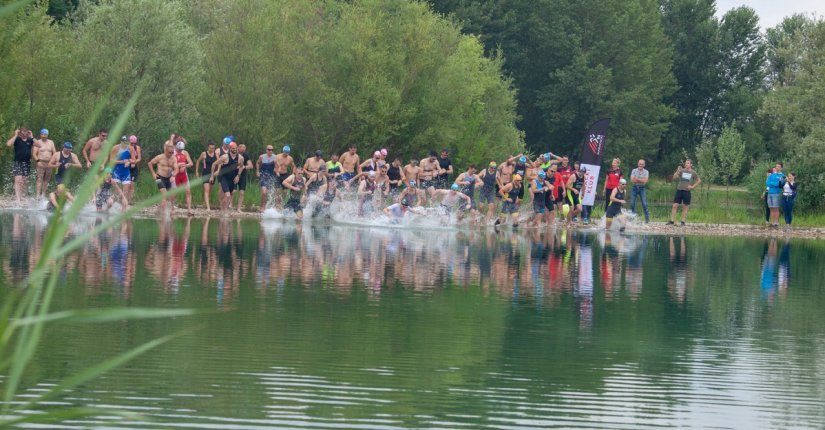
(596,143)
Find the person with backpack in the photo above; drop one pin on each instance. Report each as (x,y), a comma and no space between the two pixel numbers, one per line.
(775,184)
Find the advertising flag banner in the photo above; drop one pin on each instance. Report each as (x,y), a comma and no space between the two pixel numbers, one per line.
(591,158)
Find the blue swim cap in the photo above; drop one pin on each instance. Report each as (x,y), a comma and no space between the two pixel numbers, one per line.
(67,145)
(231,138)
(227,140)
(44,131)
(523,159)
(547,156)
(542,174)
(286,149)
(455,187)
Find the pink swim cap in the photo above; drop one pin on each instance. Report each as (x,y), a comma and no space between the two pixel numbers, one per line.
(384,152)
(376,154)
(133,139)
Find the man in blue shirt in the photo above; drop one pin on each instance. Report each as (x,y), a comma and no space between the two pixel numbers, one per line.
(774,183)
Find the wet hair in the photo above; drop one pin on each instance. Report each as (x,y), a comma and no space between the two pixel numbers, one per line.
(792,174)
(209,142)
(103,130)
(780,164)
(471,166)
(433,154)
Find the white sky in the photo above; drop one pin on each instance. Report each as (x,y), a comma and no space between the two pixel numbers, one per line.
(771,12)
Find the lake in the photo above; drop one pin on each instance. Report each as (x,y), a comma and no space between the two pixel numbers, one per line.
(339,326)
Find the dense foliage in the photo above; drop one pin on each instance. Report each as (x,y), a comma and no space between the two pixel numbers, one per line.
(315,75)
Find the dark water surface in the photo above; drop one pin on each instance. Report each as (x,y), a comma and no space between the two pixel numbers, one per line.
(331,326)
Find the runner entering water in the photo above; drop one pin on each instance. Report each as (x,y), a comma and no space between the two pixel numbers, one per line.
(203,168)
(265,171)
(63,160)
(296,184)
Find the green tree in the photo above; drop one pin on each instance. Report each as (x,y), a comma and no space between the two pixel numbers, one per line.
(577,61)
(376,73)
(127,43)
(795,108)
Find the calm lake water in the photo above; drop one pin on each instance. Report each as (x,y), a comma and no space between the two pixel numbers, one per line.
(330,326)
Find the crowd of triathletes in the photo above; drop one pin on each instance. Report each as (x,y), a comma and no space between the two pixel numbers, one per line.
(494,193)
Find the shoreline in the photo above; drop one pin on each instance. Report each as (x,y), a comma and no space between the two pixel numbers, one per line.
(653,228)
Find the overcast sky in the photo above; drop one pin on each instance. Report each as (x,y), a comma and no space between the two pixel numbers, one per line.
(771,12)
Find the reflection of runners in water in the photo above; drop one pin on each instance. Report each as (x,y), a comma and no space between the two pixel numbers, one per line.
(511,194)
(296,184)
(615,208)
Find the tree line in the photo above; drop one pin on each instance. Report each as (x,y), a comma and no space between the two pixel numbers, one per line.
(485,78)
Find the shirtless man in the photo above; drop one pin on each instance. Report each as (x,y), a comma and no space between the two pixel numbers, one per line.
(227,169)
(43,151)
(167,167)
(93,146)
(505,173)
(283,165)
(411,174)
(350,164)
(430,169)
(313,164)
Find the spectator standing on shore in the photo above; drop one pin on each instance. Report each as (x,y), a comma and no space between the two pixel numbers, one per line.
(765,199)
(775,184)
(687,181)
(789,198)
(639,177)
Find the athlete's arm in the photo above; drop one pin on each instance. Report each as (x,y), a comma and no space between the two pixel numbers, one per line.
(75,161)
(151,165)
(10,142)
(86,148)
(289,181)
(198,163)
(218,163)
(698,181)
(53,162)
(258,165)
(137,154)
(189,162)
